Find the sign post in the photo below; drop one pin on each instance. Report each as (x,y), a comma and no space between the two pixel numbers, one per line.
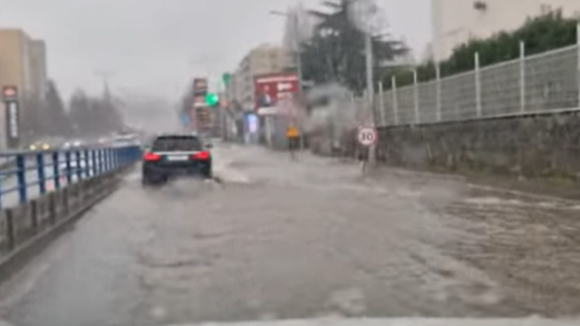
(201,112)
(10,97)
(367,137)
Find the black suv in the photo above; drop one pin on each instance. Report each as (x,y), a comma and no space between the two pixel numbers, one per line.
(176,155)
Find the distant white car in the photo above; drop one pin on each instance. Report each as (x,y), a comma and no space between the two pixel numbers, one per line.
(126,140)
(72,144)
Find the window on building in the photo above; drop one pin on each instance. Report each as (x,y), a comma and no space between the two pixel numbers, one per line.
(480,5)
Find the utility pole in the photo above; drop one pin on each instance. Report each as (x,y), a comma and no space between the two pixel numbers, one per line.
(295,19)
(300,76)
(105,75)
(371,90)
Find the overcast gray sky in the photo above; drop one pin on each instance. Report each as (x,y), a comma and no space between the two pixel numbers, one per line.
(154,46)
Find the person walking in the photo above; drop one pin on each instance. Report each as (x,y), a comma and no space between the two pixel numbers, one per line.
(292,135)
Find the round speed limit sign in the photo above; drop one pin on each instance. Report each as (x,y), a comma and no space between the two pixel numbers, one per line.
(367,136)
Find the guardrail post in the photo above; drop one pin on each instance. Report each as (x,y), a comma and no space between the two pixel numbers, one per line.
(99,161)
(578,67)
(68,168)
(416,96)
(94,162)
(477,85)
(10,229)
(79,165)
(114,153)
(438,90)
(87,160)
(382,103)
(109,159)
(56,170)
(52,208)
(41,174)
(34,215)
(21,176)
(522,76)
(115,158)
(105,160)
(0,195)
(65,201)
(121,156)
(395,100)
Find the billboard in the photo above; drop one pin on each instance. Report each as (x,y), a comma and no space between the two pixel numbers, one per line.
(200,86)
(10,97)
(199,101)
(271,89)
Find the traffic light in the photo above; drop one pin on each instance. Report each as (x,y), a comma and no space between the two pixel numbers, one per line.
(227,78)
(211,99)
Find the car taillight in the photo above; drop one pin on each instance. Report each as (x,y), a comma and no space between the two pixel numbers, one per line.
(148,156)
(201,156)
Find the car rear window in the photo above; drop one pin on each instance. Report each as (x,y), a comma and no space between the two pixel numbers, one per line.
(176,143)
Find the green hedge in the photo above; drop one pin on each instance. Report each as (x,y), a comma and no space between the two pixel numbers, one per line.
(540,34)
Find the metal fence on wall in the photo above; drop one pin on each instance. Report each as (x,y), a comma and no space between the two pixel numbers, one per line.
(542,83)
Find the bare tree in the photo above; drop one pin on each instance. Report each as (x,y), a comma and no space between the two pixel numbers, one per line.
(55,121)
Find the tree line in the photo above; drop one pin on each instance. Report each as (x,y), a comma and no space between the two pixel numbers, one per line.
(83,115)
(334,51)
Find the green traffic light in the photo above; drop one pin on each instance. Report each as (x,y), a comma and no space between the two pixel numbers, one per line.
(227,78)
(211,99)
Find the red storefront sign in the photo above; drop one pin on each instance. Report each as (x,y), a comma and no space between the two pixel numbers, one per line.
(269,89)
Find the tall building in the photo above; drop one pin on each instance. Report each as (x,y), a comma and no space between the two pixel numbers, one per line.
(456,21)
(261,60)
(23,65)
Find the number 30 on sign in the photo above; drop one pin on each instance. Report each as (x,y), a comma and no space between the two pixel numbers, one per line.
(367,136)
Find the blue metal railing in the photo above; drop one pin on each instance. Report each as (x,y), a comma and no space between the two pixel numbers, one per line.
(36,172)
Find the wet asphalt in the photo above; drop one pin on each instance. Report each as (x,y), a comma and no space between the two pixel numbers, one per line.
(277,239)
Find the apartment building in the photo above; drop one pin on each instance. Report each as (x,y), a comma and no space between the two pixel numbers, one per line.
(22,64)
(456,21)
(264,59)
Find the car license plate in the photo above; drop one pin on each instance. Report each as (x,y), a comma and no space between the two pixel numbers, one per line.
(177,158)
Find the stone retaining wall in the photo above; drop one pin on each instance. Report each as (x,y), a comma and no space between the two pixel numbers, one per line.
(530,146)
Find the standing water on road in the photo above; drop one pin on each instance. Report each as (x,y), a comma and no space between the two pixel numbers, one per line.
(279,239)
(262,237)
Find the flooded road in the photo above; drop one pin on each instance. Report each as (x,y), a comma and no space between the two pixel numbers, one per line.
(278,239)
